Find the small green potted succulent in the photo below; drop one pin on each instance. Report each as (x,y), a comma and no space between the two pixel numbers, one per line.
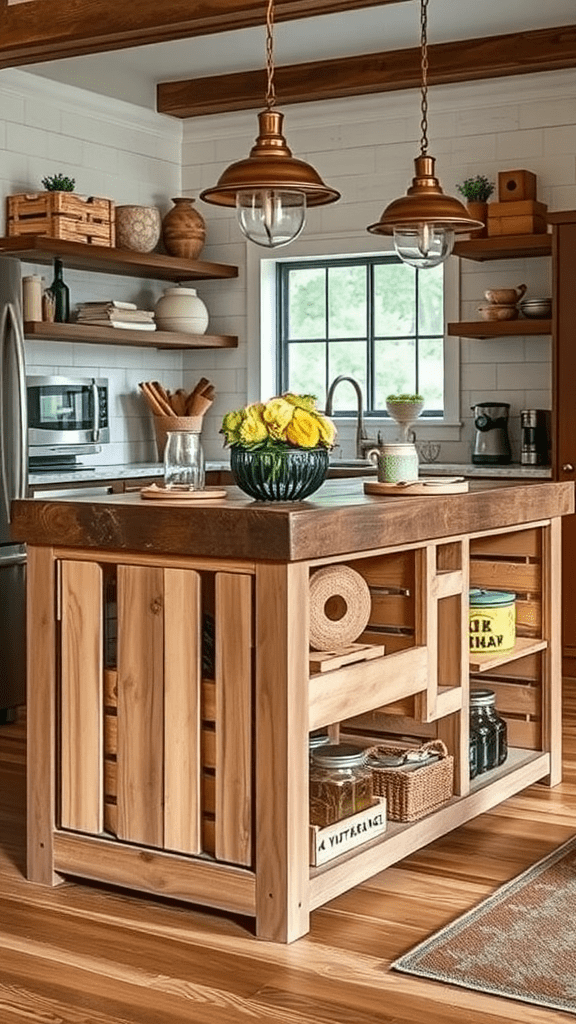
(58,183)
(476,190)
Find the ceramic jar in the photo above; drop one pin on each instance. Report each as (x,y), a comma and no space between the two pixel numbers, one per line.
(138,228)
(181,309)
(183,229)
(32,297)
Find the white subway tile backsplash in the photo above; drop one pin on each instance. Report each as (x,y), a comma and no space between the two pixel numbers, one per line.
(478,376)
(21,138)
(514,147)
(515,376)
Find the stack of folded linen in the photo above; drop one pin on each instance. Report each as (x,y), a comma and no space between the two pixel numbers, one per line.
(114,313)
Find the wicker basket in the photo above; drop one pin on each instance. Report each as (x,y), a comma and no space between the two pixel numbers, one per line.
(413,794)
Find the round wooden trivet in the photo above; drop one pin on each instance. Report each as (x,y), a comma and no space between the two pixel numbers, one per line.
(171,494)
(339,607)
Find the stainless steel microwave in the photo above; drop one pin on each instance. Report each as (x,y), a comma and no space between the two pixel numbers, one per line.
(67,416)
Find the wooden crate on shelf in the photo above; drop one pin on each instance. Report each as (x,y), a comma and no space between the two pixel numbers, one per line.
(522,217)
(62,215)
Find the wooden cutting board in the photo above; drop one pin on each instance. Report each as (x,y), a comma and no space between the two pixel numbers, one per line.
(425,485)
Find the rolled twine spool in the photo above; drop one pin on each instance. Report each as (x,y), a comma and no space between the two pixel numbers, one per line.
(163,424)
(340,607)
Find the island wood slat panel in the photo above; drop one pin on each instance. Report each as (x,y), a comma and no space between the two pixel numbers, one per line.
(182,710)
(167,730)
(233,606)
(140,705)
(81,782)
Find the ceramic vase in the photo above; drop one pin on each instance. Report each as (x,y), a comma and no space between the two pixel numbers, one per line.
(181,309)
(183,229)
(138,228)
(282,474)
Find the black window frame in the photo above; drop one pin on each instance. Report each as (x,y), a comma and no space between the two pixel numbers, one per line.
(283,270)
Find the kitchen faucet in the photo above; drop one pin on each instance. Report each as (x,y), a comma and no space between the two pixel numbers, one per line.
(363,442)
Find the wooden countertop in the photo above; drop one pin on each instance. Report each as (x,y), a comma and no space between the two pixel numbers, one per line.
(338,519)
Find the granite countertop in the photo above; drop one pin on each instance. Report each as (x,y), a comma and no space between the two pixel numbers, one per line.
(96,473)
(148,469)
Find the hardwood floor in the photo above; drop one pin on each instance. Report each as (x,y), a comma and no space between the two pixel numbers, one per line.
(80,954)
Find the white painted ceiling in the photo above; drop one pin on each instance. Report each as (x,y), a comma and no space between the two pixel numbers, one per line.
(132,74)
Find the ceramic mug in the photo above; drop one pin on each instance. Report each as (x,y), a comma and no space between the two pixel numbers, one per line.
(395,462)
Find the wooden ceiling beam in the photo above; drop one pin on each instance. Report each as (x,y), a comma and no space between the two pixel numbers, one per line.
(461,61)
(37,30)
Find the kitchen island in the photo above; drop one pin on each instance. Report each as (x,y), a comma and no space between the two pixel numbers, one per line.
(172,691)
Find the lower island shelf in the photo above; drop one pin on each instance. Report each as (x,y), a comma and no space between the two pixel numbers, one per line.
(171,691)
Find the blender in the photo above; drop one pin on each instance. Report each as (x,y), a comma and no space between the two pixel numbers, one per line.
(491,443)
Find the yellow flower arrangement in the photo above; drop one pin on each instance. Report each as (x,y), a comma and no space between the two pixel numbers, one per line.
(286,421)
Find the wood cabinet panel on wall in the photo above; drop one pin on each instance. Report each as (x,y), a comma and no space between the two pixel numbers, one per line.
(564,411)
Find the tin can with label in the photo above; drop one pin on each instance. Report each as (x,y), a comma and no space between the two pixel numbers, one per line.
(492,626)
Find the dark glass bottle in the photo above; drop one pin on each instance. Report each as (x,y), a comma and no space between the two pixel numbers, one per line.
(473,755)
(61,294)
(488,730)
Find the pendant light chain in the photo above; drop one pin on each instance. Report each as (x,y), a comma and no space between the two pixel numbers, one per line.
(424,68)
(270,90)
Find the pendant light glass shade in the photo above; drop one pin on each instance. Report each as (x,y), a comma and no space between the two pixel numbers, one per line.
(270,189)
(424,222)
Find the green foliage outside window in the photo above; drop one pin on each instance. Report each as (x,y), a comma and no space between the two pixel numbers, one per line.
(375,319)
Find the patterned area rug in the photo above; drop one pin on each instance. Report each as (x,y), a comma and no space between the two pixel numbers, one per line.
(520,943)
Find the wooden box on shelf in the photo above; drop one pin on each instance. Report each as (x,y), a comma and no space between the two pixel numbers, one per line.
(61,215)
(521,217)
(348,833)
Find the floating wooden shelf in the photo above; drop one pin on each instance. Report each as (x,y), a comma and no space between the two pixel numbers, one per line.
(502,247)
(523,646)
(499,328)
(87,334)
(105,260)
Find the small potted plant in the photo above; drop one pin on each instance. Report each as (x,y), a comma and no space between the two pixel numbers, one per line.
(279,448)
(477,192)
(58,183)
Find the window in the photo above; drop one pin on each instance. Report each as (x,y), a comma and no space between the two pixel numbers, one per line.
(370,317)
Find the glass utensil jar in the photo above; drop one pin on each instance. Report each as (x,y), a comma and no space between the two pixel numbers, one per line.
(487,731)
(340,783)
(184,461)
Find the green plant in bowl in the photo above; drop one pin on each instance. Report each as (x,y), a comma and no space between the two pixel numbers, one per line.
(404,409)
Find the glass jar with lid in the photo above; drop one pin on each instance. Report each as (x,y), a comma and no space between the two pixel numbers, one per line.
(316,740)
(340,783)
(487,730)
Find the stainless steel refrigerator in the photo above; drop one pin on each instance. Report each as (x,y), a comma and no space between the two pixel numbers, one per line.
(13,484)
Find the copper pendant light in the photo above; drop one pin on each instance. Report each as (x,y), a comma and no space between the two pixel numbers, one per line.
(425,220)
(271,188)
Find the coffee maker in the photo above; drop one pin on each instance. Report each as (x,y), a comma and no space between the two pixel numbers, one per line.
(535,432)
(491,443)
